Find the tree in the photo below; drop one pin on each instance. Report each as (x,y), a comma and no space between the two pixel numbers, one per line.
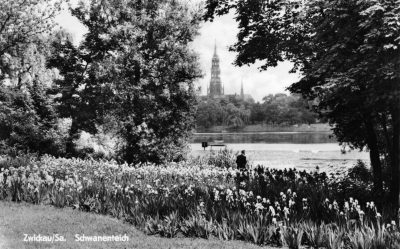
(236,117)
(207,113)
(80,93)
(357,90)
(141,50)
(257,114)
(211,112)
(280,108)
(24,26)
(28,121)
(304,108)
(21,21)
(27,118)
(348,53)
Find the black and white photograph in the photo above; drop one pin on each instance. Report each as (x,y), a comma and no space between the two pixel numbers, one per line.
(157,124)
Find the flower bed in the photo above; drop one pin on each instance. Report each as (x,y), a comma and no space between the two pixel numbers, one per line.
(263,206)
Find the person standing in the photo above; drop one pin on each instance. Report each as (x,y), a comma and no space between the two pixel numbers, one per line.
(241,161)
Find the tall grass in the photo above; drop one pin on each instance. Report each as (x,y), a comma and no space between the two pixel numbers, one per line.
(219,158)
(224,158)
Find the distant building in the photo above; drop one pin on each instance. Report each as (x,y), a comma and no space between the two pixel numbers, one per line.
(245,97)
(216,88)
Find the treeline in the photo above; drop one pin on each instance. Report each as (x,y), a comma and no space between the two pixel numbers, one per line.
(278,109)
(283,109)
(232,113)
(130,77)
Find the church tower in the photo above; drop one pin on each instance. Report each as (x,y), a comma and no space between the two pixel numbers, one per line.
(215,82)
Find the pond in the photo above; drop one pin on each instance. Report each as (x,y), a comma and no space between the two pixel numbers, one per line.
(302,150)
(266,138)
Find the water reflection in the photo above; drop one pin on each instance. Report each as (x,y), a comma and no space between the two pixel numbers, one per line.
(266,137)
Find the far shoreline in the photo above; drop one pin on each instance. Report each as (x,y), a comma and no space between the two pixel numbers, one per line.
(263,132)
(325,128)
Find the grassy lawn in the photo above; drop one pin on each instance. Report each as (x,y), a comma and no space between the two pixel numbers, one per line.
(19,219)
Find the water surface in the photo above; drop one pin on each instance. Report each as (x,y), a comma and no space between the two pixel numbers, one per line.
(266,137)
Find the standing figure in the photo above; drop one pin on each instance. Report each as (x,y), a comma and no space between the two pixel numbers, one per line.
(241,161)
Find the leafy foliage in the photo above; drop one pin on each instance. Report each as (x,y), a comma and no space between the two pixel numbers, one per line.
(28,122)
(141,53)
(22,21)
(79,93)
(210,113)
(275,109)
(293,109)
(28,119)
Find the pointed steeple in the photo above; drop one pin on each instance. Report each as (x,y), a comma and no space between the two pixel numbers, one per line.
(216,88)
(241,90)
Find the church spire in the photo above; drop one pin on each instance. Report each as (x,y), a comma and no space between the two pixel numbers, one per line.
(215,82)
(241,90)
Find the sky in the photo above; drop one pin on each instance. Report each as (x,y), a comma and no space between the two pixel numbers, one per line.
(223,30)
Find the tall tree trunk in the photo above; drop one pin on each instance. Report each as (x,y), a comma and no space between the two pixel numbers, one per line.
(386,132)
(395,186)
(372,141)
(128,156)
(73,134)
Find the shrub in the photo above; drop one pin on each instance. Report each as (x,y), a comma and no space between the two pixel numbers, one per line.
(360,172)
(221,158)
(28,122)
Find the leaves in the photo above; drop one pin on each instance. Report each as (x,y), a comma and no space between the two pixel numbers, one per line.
(22,21)
(141,52)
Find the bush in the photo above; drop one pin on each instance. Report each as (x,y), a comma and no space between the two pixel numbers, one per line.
(360,172)
(221,158)
(28,123)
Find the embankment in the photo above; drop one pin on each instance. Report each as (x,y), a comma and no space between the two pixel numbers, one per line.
(267,128)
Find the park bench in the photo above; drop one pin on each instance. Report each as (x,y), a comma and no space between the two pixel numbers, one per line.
(216,143)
